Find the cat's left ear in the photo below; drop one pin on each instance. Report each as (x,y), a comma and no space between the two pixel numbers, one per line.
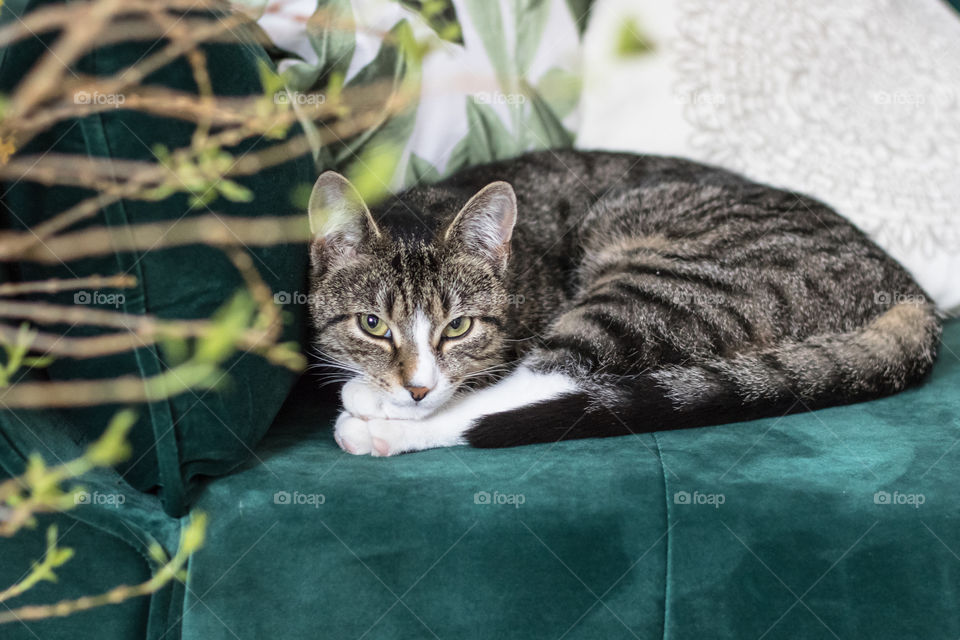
(485,224)
(339,220)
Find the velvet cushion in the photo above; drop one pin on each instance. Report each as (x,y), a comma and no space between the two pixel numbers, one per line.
(110,533)
(194,434)
(100,563)
(839,523)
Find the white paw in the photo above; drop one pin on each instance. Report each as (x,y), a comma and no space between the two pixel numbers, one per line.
(390,437)
(362,400)
(352,434)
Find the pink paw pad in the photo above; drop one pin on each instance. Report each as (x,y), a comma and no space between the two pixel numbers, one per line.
(381,446)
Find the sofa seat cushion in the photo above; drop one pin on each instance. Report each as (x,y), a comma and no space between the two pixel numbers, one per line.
(839,523)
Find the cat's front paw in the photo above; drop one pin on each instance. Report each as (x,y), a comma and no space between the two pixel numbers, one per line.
(390,437)
(352,434)
(377,437)
(361,400)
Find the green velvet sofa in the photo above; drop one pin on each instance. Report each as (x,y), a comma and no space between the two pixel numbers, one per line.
(839,523)
(843,523)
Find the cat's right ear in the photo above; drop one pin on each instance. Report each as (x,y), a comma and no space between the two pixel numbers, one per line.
(485,224)
(339,220)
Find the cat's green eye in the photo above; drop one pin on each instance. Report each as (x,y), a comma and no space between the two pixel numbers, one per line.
(458,327)
(374,325)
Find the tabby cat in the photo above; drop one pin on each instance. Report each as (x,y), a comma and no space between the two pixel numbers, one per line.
(601,294)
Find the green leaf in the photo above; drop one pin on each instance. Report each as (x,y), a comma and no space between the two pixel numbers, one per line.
(333,39)
(373,171)
(488,138)
(544,127)
(580,10)
(488,21)
(38,362)
(112,446)
(561,90)
(61,556)
(193,536)
(270,80)
(440,15)
(531,16)
(420,171)
(459,157)
(632,40)
(234,191)
(391,134)
(157,553)
(231,319)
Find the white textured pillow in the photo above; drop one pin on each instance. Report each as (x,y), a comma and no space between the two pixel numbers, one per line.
(856,103)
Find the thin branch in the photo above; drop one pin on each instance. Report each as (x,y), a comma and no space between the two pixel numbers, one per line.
(46,76)
(212,229)
(120,390)
(262,294)
(147,176)
(80,348)
(14,119)
(142,331)
(56,285)
(51,18)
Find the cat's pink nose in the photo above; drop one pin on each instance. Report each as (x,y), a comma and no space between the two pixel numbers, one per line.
(417,393)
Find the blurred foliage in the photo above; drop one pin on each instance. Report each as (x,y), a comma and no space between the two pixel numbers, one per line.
(631,39)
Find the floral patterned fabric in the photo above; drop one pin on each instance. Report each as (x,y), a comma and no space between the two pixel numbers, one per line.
(499,78)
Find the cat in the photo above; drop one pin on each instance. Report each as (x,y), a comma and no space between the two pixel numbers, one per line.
(601,294)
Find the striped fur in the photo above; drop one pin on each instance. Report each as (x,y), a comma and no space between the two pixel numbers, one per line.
(675,294)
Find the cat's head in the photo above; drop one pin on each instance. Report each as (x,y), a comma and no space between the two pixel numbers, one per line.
(413,315)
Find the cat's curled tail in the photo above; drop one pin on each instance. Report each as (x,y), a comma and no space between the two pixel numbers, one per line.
(891,353)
